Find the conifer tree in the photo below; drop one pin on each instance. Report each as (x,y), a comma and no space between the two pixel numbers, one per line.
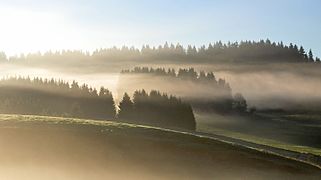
(310,55)
(302,52)
(125,107)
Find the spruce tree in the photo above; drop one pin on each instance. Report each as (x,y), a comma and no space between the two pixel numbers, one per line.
(310,55)
(125,107)
(302,52)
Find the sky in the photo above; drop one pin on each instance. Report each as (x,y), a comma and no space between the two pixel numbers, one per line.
(31,26)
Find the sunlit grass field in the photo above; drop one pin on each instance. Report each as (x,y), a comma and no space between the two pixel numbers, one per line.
(112,125)
(106,149)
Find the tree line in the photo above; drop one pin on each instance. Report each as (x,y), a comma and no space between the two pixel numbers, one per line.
(243,51)
(20,95)
(189,74)
(184,74)
(208,93)
(51,97)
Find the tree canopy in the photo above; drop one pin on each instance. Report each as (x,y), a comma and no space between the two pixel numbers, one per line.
(55,98)
(208,93)
(243,51)
(157,109)
(23,95)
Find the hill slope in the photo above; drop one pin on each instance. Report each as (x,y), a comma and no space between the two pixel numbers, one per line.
(61,148)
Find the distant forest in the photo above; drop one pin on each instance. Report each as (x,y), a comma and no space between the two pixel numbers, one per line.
(182,73)
(51,97)
(207,93)
(244,51)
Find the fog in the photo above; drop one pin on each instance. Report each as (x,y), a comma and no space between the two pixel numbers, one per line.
(70,154)
(276,89)
(182,88)
(95,80)
(273,86)
(269,88)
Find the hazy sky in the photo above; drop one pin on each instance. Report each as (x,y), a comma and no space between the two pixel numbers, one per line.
(30,25)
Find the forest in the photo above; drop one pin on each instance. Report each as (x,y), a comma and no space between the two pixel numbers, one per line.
(55,98)
(50,97)
(202,90)
(161,89)
(218,52)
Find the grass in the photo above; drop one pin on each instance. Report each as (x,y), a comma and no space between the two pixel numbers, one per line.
(259,140)
(110,125)
(304,118)
(107,125)
(62,120)
(177,139)
(61,143)
(157,133)
(205,124)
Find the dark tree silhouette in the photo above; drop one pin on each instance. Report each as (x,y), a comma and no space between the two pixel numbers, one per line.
(239,103)
(51,97)
(311,55)
(126,108)
(219,98)
(218,52)
(302,52)
(55,98)
(158,110)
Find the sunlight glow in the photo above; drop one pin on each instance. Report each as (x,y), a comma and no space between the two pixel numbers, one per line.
(25,31)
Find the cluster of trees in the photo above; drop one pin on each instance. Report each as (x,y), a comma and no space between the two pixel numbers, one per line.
(207,92)
(55,98)
(156,109)
(263,50)
(244,51)
(239,104)
(52,97)
(183,74)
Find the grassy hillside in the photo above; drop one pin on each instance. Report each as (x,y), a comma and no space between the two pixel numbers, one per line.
(64,148)
(298,137)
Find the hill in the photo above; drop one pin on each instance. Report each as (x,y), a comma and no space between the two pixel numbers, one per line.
(65,148)
(260,52)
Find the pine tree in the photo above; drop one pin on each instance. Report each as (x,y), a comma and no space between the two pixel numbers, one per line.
(302,52)
(310,56)
(125,108)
